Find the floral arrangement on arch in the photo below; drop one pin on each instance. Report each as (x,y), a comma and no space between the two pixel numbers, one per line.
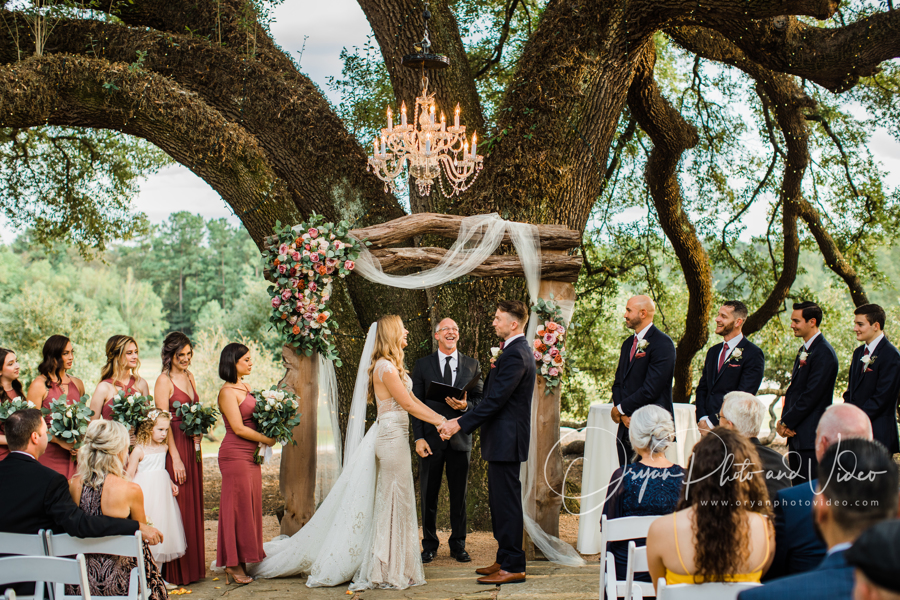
(549,350)
(302,262)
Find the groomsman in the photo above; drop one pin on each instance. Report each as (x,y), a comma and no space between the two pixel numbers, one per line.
(645,371)
(811,390)
(450,366)
(735,365)
(875,375)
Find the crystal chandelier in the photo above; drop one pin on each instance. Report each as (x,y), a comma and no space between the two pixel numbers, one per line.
(426,145)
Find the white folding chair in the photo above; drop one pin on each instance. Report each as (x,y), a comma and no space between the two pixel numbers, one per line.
(24,544)
(637,563)
(116,545)
(58,571)
(9,594)
(701,591)
(618,530)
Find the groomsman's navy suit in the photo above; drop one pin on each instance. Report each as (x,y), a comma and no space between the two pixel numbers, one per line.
(876,390)
(454,453)
(832,580)
(811,391)
(743,374)
(504,415)
(645,379)
(797,547)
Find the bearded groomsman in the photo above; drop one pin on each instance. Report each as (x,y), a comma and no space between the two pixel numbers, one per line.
(735,365)
(811,390)
(875,375)
(645,371)
(447,365)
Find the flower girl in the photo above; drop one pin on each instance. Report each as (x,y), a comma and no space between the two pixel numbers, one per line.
(147,468)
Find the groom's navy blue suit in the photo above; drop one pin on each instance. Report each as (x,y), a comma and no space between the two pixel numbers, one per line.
(504,415)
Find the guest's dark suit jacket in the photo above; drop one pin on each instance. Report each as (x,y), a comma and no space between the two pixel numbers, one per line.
(876,391)
(797,547)
(742,374)
(832,580)
(810,393)
(774,468)
(504,413)
(645,380)
(430,368)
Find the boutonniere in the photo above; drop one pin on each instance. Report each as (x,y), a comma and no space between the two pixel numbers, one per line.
(803,356)
(737,354)
(495,354)
(868,359)
(642,345)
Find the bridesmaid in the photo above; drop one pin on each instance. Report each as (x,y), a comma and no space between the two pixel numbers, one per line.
(119,373)
(10,387)
(181,463)
(54,382)
(240,507)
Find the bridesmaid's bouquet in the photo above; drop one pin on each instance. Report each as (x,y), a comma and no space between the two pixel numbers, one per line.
(131,410)
(8,408)
(275,415)
(196,419)
(69,422)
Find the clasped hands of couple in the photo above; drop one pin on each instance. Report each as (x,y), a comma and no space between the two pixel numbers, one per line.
(447,428)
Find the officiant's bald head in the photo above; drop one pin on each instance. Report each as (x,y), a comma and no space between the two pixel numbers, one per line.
(639,311)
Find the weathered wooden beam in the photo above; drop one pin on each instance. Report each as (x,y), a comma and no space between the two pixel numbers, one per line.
(553,237)
(555,267)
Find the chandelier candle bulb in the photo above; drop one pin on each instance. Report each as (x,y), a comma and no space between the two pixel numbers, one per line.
(390,119)
(403,114)
(443,123)
(474,144)
(456,117)
(383,146)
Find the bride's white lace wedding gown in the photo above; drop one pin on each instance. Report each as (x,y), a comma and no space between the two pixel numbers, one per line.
(366,528)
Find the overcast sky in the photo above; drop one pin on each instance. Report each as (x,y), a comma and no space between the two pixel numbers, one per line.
(327,28)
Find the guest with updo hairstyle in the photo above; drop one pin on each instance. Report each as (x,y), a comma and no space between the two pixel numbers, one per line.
(649,486)
(10,388)
(52,383)
(120,373)
(101,487)
(176,384)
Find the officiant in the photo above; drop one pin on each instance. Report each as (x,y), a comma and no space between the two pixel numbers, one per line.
(450,367)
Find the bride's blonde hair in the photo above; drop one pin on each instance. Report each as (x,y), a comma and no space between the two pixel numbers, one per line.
(100,452)
(387,346)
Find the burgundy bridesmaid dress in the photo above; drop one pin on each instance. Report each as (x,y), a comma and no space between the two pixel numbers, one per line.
(4,450)
(240,506)
(56,457)
(192,566)
(106,409)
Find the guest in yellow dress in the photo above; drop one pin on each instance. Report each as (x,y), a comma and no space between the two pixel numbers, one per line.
(722,528)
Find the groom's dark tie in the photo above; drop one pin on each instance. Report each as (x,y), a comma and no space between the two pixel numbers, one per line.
(448,375)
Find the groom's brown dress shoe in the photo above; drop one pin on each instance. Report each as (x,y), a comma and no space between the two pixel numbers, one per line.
(501,577)
(488,570)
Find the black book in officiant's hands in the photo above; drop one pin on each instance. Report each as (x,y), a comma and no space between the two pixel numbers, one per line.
(439,391)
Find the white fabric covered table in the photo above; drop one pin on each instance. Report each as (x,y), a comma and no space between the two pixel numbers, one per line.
(601,459)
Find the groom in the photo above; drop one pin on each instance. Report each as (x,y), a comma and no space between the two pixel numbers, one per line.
(504,416)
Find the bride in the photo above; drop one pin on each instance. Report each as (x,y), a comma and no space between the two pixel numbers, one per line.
(366,528)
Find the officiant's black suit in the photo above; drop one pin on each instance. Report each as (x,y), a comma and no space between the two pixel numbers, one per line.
(736,375)
(35,497)
(504,415)
(876,390)
(645,379)
(454,453)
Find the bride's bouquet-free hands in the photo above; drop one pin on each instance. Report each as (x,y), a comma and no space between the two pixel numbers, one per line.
(196,419)
(275,415)
(131,410)
(69,422)
(8,408)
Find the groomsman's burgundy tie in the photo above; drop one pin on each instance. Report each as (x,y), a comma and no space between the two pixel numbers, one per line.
(866,353)
(633,349)
(722,355)
(503,343)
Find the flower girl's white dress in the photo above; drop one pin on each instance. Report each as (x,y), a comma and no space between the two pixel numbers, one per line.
(160,505)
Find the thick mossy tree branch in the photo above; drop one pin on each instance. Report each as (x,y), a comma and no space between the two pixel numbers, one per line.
(672,135)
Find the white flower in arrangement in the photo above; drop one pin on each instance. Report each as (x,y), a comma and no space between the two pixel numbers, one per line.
(195,408)
(737,353)
(30,404)
(545,369)
(279,396)
(131,400)
(68,414)
(546,358)
(278,406)
(295,404)
(642,345)
(268,407)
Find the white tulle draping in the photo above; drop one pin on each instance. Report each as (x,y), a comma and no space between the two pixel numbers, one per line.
(328,431)
(356,424)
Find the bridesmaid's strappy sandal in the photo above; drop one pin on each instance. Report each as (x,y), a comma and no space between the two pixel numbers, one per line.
(245,579)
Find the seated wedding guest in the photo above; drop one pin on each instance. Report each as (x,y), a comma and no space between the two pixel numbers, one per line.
(721,530)
(876,557)
(858,489)
(101,488)
(40,497)
(651,485)
(744,413)
(10,388)
(797,547)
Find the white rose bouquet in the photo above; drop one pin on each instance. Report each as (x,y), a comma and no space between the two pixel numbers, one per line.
(131,410)
(69,422)
(196,419)
(15,405)
(275,415)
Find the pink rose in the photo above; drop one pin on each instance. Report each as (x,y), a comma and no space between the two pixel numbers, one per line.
(331,262)
(282,269)
(554,371)
(285,294)
(349,264)
(537,355)
(283,249)
(313,233)
(549,339)
(292,320)
(538,344)
(329,270)
(551,326)
(546,358)
(306,246)
(308,316)
(325,297)
(312,286)
(331,237)
(295,256)
(554,351)
(338,244)
(276,302)
(560,330)
(314,257)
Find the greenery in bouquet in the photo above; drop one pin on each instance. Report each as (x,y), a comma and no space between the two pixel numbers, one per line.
(196,419)
(69,422)
(549,348)
(302,262)
(275,415)
(15,405)
(131,410)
